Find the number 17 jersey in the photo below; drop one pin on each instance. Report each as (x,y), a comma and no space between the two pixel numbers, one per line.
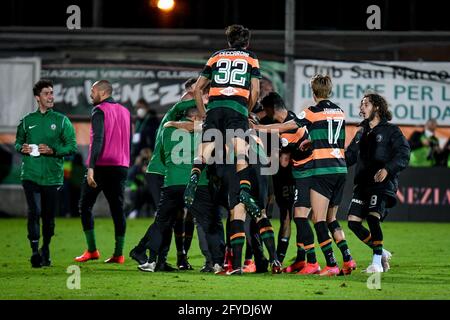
(326,126)
(230,72)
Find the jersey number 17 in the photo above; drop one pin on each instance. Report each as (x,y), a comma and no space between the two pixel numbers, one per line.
(334,136)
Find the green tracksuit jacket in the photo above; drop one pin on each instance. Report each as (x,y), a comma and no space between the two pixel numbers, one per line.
(156,165)
(53,129)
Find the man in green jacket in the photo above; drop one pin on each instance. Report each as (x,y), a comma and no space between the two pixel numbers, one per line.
(43,137)
(424,146)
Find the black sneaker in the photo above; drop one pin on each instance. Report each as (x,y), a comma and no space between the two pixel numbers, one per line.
(183,263)
(45,256)
(140,257)
(191,188)
(250,204)
(165,267)
(36,260)
(208,267)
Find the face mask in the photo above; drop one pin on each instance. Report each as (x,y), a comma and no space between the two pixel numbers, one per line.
(428,133)
(141,113)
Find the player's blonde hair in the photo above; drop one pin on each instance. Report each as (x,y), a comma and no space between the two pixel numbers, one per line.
(321,86)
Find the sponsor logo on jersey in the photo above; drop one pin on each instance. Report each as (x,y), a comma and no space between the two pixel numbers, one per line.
(228,91)
(301,115)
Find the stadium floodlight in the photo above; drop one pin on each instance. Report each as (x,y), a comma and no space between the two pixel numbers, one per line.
(166,5)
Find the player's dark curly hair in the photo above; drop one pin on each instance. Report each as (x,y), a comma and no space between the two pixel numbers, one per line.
(41,84)
(238,36)
(382,105)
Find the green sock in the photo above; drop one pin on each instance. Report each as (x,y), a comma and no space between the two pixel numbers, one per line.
(90,239)
(120,241)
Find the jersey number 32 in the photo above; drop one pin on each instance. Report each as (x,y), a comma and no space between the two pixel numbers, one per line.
(231,72)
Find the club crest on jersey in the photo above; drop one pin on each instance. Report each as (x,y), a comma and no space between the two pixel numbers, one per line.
(228,91)
(379,138)
(53,126)
(301,115)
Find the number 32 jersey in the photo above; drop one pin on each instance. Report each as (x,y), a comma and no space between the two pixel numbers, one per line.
(326,125)
(230,72)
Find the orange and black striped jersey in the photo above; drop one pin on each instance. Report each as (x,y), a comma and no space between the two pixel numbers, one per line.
(325,123)
(230,72)
(291,141)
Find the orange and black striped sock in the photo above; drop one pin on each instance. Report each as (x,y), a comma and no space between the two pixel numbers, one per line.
(325,243)
(310,252)
(244,179)
(377,234)
(197,170)
(237,240)
(305,237)
(361,232)
(267,235)
(301,255)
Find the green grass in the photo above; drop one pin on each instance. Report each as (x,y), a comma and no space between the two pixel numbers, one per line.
(420,269)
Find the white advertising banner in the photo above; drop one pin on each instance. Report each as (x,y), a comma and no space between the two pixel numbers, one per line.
(415,91)
(17,77)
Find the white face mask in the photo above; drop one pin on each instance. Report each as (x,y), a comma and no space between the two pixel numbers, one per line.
(428,133)
(141,112)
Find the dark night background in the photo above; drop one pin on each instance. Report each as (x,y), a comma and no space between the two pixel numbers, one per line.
(425,15)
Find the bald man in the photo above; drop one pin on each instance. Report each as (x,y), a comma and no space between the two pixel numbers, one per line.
(107,163)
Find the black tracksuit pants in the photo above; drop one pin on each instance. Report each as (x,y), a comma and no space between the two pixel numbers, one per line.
(203,210)
(43,202)
(111,180)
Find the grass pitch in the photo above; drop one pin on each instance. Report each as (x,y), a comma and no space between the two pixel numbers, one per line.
(420,268)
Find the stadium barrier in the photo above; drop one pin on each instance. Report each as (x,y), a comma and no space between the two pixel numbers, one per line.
(423,195)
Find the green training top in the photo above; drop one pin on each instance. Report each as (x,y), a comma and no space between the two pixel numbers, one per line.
(156,165)
(53,129)
(420,156)
(178,149)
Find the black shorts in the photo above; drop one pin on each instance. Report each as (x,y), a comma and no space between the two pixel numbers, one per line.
(223,118)
(331,186)
(301,196)
(366,200)
(284,188)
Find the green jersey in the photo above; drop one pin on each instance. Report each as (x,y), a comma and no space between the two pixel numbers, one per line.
(421,157)
(178,149)
(53,129)
(156,165)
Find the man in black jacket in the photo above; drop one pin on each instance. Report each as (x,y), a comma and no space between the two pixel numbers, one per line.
(380,151)
(147,124)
